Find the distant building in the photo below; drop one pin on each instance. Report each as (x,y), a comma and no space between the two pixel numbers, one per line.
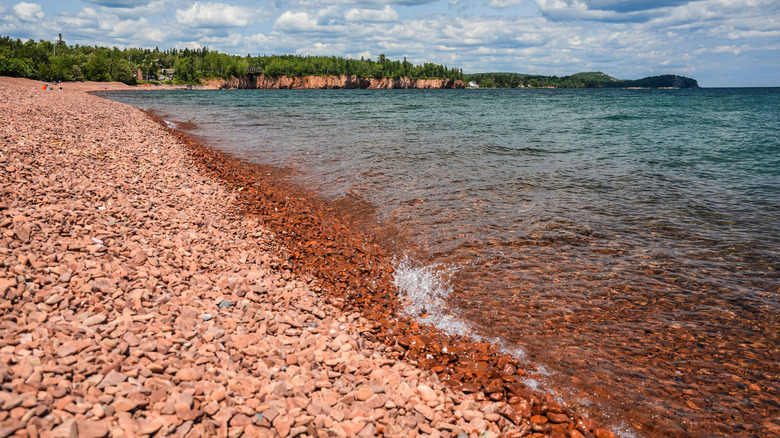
(169,73)
(473,84)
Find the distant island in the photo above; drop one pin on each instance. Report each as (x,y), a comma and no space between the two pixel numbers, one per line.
(56,61)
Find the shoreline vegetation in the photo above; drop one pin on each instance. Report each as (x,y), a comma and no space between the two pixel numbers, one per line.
(56,61)
(156,287)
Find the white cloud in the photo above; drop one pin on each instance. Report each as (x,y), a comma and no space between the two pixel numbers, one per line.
(192,45)
(504,3)
(740,34)
(296,22)
(385,15)
(28,11)
(214,15)
(118,3)
(736,50)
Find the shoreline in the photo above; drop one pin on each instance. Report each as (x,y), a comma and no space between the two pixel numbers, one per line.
(346,267)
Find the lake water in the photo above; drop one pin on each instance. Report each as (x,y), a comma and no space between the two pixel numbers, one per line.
(624,244)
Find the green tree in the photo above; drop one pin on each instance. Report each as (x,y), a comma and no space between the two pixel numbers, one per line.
(120,70)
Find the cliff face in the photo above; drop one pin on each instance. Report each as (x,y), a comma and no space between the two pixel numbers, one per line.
(330,82)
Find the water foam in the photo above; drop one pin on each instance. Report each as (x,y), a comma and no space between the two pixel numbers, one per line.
(424,291)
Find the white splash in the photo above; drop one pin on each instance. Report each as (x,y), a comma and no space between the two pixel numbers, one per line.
(424,292)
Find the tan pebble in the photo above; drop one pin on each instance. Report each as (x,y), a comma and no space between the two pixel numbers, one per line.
(282,424)
(122,404)
(181,407)
(8,427)
(492,417)
(211,408)
(191,415)
(67,350)
(241,420)
(425,410)
(478,424)
(188,374)
(377,401)
(6,283)
(74,408)
(186,398)
(68,429)
(471,414)
(95,320)
(364,393)
(65,277)
(150,428)
(64,402)
(91,429)
(98,411)
(218,395)
(113,378)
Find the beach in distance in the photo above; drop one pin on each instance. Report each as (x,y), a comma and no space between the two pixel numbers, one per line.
(590,262)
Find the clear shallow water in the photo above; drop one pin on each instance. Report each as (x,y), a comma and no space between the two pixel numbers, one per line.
(626,241)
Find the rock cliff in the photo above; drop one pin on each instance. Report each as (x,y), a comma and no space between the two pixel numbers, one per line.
(329,82)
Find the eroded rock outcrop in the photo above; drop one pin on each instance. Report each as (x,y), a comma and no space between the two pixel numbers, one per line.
(330,82)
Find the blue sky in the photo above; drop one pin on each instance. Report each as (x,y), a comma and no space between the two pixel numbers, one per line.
(718,42)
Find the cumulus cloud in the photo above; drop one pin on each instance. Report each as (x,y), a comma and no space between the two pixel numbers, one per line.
(385,15)
(296,22)
(740,34)
(504,3)
(125,4)
(333,22)
(28,11)
(214,15)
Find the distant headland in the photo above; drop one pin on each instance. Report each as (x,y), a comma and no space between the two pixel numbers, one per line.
(56,61)
(578,80)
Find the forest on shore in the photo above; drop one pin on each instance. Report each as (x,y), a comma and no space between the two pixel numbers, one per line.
(56,61)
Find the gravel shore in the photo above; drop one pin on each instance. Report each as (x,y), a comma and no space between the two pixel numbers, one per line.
(138,300)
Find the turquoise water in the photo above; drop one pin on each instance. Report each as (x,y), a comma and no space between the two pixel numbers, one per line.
(625,244)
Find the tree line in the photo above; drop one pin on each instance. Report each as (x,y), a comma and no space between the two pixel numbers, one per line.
(578,80)
(57,61)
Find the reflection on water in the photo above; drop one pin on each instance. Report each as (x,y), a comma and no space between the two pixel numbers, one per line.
(626,241)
